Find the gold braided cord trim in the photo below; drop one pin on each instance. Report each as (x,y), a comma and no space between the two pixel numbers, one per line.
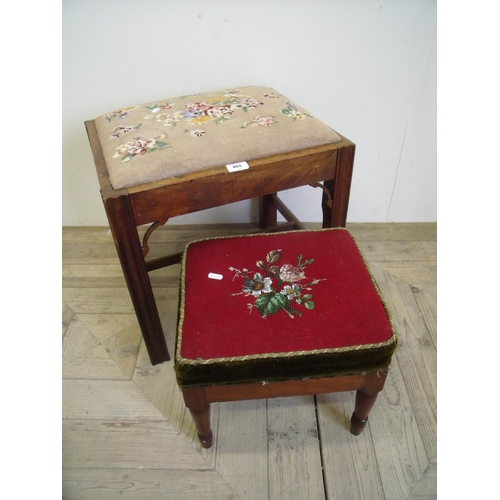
(274,355)
(331,350)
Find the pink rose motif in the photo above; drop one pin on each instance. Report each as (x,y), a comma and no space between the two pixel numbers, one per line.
(263,121)
(291,273)
(221,110)
(203,106)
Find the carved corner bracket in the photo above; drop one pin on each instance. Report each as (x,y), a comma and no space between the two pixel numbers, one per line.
(148,233)
(329,200)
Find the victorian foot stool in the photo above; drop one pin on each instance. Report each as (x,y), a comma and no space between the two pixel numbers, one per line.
(282,314)
(175,156)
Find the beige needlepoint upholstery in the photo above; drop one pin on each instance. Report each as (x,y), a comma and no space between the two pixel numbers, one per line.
(172,137)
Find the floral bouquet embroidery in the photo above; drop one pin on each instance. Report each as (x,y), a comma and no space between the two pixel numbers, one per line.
(277,288)
(215,109)
(159,107)
(292,112)
(120,113)
(260,121)
(120,130)
(139,146)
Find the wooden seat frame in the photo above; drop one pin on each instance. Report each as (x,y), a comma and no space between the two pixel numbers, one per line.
(329,167)
(367,386)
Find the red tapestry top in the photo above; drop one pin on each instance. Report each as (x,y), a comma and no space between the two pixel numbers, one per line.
(283,292)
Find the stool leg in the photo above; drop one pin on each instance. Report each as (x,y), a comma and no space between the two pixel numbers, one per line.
(122,223)
(339,188)
(365,399)
(199,407)
(268,213)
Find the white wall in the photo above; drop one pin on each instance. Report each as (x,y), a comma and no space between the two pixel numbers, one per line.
(366,68)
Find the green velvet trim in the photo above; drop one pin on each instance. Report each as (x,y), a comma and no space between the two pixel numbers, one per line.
(285,368)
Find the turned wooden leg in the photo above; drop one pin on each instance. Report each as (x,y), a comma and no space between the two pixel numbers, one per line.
(339,188)
(128,246)
(268,214)
(365,399)
(199,407)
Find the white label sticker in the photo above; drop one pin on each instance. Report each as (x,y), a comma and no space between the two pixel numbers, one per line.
(215,276)
(236,167)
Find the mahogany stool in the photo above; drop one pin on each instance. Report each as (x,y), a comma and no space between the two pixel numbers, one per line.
(280,314)
(179,155)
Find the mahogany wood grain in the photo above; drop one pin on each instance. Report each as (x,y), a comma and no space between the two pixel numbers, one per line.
(365,399)
(339,187)
(268,214)
(343,177)
(236,392)
(367,386)
(167,260)
(199,406)
(222,188)
(129,249)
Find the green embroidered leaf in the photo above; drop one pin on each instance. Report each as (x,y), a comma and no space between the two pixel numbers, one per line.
(270,303)
(269,297)
(273,256)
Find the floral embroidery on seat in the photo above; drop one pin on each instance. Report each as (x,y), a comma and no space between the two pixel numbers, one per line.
(120,113)
(120,130)
(197,114)
(292,111)
(197,133)
(169,120)
(139,146)
(159,107)
(272,95)
(276,288)
(215,109)
(260,121)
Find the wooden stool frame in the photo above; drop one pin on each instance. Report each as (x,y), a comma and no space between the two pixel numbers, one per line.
(367,387)
(156,202)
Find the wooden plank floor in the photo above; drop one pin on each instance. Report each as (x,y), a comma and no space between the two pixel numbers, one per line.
(126,433)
